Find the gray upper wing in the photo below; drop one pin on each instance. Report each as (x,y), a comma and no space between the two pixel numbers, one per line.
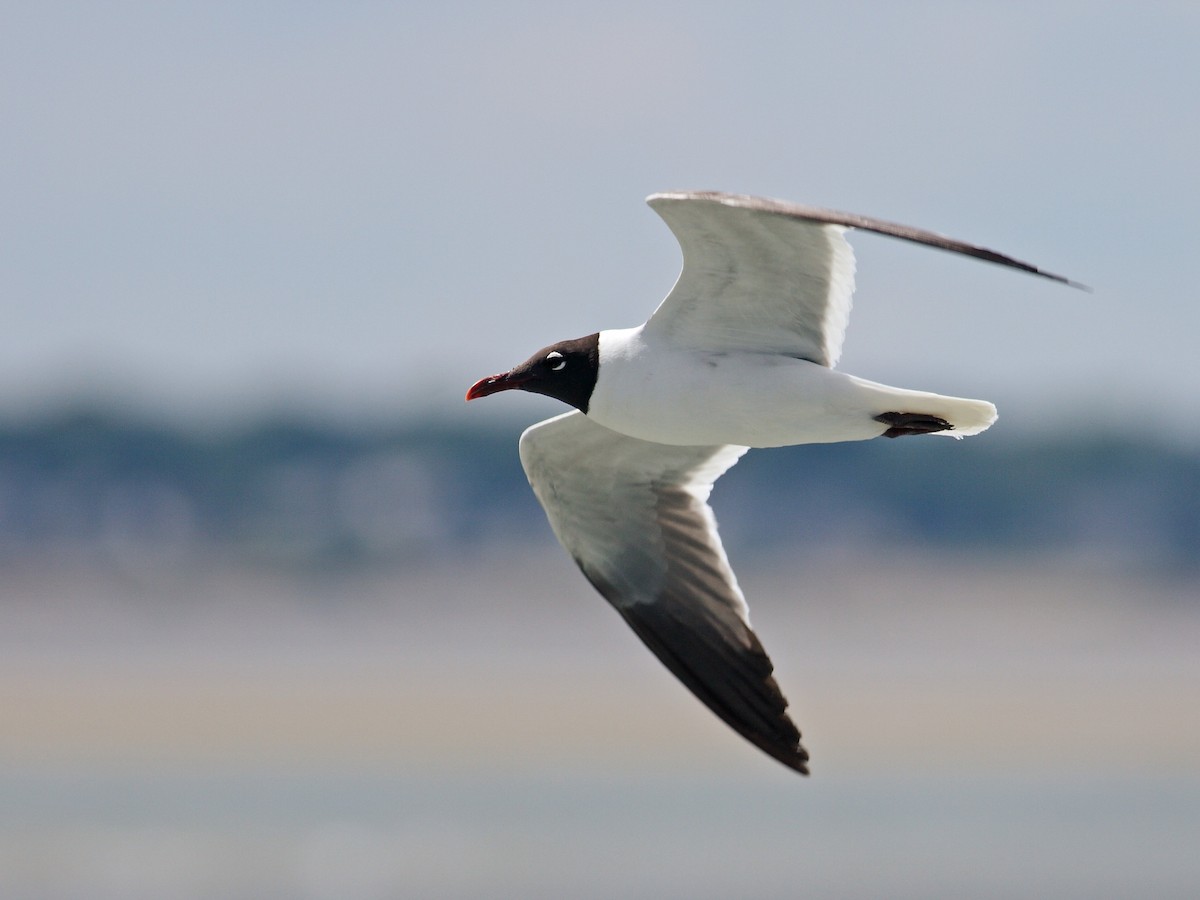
(634,515)
(772,276)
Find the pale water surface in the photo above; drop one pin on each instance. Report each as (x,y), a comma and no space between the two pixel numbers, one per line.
(594,833)
(489,729)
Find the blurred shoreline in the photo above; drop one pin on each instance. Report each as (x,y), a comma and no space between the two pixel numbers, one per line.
(91,488)
(923,662)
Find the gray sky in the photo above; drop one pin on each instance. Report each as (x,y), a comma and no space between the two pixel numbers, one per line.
(210,208)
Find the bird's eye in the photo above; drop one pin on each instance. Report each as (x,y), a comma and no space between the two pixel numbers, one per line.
(555,360)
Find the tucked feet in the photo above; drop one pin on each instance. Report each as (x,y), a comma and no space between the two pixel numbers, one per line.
(901,424)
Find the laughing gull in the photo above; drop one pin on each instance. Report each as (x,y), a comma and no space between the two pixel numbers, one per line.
(740,354)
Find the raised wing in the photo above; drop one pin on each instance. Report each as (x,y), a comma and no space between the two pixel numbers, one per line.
(774,277)
(635,517)
(755,278)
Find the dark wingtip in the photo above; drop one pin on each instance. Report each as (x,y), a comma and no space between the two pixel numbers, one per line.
(1061,279)
(740,688)
(797,762)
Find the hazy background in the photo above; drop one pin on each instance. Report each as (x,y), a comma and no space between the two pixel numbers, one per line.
(219,207)
(278,615)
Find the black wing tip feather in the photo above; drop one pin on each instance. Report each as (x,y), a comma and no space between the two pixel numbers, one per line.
(778,736)
(723,664)
(752,706)
(867,223)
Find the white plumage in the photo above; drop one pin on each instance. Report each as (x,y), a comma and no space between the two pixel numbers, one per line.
(740,354)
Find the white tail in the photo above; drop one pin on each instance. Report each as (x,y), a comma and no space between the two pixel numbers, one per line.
(967,416)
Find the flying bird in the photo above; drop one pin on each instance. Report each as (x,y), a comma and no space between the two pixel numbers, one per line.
(740,354)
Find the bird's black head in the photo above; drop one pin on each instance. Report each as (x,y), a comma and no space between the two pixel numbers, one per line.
(565,371)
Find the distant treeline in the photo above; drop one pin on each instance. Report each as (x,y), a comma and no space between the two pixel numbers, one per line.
(296,493)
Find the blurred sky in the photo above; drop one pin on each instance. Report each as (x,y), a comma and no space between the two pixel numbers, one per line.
(213,208)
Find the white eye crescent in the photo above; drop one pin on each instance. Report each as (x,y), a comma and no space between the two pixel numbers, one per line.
(556,360)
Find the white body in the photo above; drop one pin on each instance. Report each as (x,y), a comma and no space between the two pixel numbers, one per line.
(658,392)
